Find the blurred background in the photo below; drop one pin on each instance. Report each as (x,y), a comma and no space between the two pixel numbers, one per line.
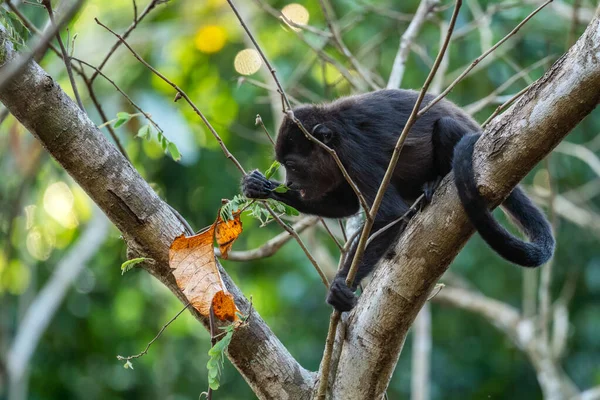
(55,243)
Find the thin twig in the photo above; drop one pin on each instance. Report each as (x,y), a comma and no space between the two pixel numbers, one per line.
(287,105)
(100,110)
(482,103)
(271,246)
(301,243)
(343,229)
(403,217)
(65,57)
(481,57)
(318,49)
(328,13)
(125,34)
(260,122)
(337,243)
(129,99)
(425,7)
(181,93)
(503,106)
(160,332)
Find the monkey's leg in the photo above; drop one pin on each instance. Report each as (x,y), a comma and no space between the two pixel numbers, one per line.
(447,132)
(342,297)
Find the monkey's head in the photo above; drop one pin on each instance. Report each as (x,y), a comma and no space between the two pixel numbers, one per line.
(309,168)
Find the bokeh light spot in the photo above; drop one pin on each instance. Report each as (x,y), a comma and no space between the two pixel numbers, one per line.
(210,38)
(296,13)
(58,203)
(40,246)
(247,62)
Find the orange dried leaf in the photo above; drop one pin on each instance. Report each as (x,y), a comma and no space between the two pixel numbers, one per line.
(193,264)
(224,307)
(226,232)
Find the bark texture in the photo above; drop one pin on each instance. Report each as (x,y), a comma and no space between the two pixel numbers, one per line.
(146,222)
(510,148)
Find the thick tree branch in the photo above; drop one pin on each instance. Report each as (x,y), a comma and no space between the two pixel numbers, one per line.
(147,223)
(510,147)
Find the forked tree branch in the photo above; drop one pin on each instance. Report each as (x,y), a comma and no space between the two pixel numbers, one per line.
(509,149)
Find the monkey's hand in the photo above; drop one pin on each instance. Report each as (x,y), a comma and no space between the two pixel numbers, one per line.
(256,186)
(340,296)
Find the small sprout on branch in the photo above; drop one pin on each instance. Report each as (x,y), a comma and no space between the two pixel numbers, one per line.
(129,264)
(128,365)
(122,117)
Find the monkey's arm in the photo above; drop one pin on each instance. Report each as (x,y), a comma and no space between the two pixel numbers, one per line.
(332,205)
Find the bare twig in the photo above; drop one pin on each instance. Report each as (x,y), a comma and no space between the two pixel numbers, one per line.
(160,332)
(260,122)
(100,110)
(481,57)
(301,243)
(408,37)
(482,103)
(337,243)
(65,55)
(129,99)
(503,106)
(124,35)
(328,13)
(271,246)
(286,102)
(182,94)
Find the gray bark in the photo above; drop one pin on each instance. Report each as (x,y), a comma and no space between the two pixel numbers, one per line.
(146,222)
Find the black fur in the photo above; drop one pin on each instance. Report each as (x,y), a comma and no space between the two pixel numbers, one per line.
(363,130)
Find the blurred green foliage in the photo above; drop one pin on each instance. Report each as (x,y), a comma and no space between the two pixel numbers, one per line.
(194,44)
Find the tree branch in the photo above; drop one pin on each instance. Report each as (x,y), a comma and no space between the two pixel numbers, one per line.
(147,223)
(510,148)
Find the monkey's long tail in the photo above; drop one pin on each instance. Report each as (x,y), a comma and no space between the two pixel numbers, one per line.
(528,217)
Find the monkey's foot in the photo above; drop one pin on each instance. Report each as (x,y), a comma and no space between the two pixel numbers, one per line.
(256,186)
(429,189)
(340,296)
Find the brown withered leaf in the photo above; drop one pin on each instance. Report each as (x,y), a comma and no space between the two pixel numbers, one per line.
(193,264)
(224,307)
(226,232)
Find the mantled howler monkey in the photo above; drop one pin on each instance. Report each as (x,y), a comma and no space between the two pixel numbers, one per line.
(363,130)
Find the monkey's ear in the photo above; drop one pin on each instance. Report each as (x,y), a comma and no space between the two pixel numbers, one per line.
(322,133)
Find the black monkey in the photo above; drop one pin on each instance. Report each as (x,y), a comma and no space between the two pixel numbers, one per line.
(363,130)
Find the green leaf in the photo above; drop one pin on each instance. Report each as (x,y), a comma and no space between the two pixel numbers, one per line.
(291,211)
(282,188)
(163,142)
(217,358)
(122,117)
(272,169)
(174,151)
(127,265)
(144,132)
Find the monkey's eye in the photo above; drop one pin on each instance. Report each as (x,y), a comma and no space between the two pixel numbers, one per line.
(290,165)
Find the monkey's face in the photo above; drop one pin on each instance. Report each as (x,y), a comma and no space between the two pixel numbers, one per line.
(311,174)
